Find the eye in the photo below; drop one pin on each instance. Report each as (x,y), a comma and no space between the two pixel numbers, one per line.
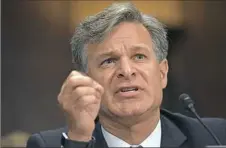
(139,57)
(108,61)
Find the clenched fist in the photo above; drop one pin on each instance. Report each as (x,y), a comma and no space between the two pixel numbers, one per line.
(80,98)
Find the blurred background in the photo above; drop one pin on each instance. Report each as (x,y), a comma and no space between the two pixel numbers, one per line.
(36,58)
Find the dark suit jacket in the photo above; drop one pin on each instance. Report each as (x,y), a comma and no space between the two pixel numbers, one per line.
(177,131)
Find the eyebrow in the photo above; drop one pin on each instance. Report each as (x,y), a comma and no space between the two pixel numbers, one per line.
(139,47)
(133,47)
(105,54)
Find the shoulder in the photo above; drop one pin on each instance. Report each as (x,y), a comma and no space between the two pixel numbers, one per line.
(192,127)
(180,118)
(48,138)
(212,122)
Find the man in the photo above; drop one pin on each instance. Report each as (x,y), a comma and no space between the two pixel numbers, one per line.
(122,70)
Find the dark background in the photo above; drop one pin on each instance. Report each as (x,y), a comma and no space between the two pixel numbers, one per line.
(36,59)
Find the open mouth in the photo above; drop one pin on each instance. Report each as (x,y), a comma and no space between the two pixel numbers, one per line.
(128,89)
(128,92)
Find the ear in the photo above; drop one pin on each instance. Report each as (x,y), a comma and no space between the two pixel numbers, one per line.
(163,72)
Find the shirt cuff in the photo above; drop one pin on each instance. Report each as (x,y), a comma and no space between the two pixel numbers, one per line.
(67,143)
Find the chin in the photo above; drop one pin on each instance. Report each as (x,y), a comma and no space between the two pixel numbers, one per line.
(129,110)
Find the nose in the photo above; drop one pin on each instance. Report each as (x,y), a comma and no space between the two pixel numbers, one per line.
(126,69)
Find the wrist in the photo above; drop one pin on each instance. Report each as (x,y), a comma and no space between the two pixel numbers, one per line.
(79,137)
(68,143)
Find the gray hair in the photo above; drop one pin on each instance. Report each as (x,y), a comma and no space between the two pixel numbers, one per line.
(94,28)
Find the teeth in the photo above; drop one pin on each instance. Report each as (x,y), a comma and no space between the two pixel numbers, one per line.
(129,89)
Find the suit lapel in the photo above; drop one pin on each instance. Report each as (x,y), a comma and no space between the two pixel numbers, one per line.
(100,141)
(171,134)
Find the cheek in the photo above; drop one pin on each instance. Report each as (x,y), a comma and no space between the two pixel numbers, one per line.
(152,80)
(153,90)
(150,74)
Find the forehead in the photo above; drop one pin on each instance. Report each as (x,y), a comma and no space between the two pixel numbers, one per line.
(124,35)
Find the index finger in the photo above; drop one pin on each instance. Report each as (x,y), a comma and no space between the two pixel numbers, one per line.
(75,79)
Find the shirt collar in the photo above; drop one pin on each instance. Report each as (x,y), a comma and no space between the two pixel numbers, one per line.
(153,140)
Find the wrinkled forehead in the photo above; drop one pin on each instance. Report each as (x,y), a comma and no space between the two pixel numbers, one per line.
(125,36)
(118,48)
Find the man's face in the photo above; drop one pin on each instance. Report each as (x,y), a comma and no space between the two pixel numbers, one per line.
(127,68)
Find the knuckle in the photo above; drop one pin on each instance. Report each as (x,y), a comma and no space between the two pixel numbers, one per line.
(82,91)
(92,90)
(61,98)
(64,101)
(65,107)
(77,92)
(74,72)
(92,97)
(88,99)
(72,79)
(80,79)
(101,89)
(88,79)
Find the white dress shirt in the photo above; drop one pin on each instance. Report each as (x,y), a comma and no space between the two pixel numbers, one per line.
(153,140)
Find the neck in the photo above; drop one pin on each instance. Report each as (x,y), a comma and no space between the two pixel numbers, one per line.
(133,130)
